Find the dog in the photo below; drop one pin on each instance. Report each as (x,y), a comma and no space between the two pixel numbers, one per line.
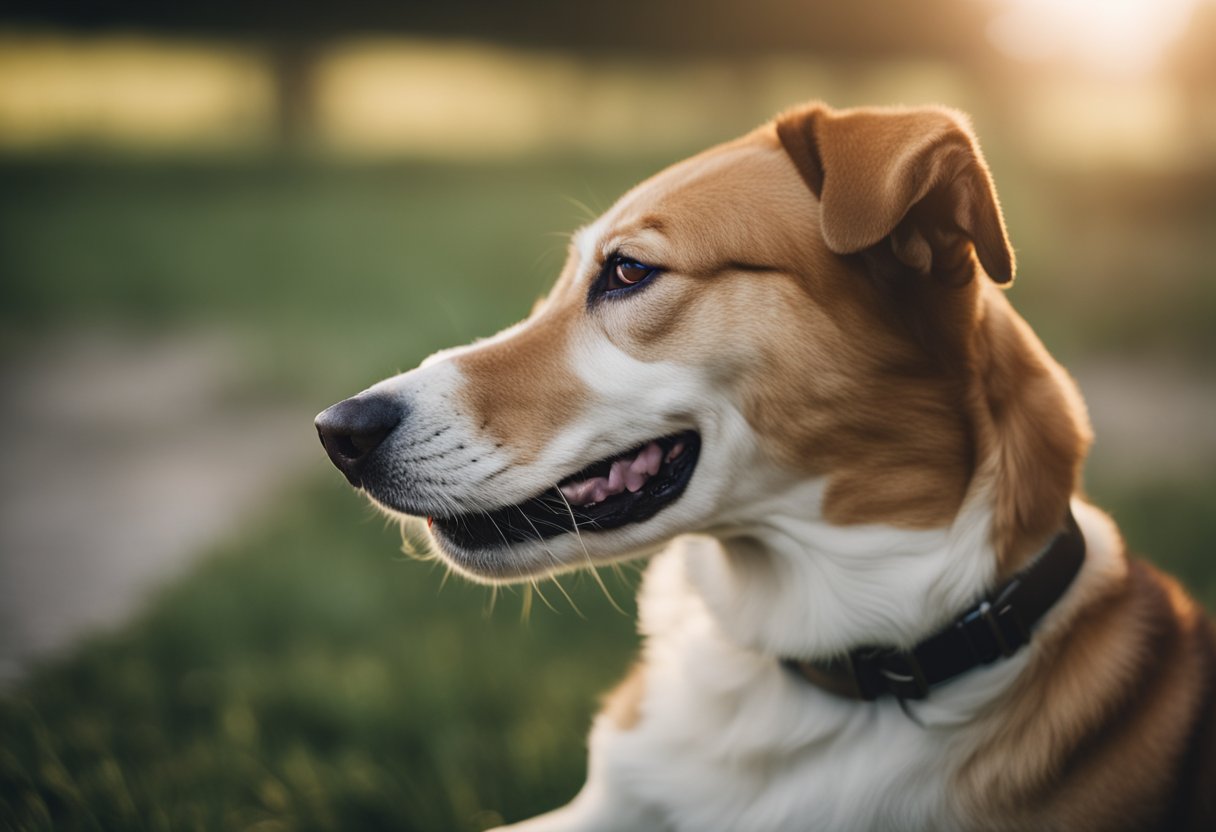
(785,370)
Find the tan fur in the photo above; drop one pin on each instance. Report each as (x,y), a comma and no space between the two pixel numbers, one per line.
(1101,730)
(911,185)
(894,175)
(862,389)
(522,388)
(1030,422)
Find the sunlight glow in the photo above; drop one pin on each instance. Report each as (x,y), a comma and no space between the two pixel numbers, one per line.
(1106,37)
(129,91)
(1095,124)
(437,99)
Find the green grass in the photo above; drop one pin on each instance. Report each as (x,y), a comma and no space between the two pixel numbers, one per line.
(307,676)
(1171,524)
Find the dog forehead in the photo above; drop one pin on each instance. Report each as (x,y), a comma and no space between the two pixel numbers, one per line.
(743,200)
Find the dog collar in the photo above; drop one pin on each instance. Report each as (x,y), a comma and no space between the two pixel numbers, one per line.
(996,627)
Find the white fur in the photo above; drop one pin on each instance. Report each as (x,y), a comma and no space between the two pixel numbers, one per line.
(729,740)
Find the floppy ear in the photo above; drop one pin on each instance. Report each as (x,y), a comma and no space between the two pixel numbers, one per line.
(914,176)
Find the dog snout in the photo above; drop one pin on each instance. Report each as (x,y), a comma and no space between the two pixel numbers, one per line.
(351,430)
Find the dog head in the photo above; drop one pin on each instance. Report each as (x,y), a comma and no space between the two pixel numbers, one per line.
(798,306)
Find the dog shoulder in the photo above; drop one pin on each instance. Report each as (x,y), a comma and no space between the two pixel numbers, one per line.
(1113,725)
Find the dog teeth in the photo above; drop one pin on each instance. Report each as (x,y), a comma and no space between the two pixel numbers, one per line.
(624,475)
(651,459)
(635,480)
(675,451)
(643,467)
(616,477)
(580,493)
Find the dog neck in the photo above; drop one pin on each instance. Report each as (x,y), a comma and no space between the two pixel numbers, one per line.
(802,588)
(787,582)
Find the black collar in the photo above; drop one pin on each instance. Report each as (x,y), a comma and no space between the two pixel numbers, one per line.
(996,627)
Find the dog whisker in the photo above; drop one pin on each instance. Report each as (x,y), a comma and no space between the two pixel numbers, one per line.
(587,555)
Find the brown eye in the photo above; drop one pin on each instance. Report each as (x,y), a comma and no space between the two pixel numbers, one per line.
(631,273)
(625,273)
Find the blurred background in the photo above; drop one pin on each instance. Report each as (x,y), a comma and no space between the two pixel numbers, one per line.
(216,219)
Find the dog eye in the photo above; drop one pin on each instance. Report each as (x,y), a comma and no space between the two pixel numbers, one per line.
(623,273)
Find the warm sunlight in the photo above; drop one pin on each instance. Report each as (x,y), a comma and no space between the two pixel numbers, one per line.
(437,99)
(129,91)
(1107,37)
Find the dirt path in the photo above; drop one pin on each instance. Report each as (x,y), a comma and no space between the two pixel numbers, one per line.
(124,460)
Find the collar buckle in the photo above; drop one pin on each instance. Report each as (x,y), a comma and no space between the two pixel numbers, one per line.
(885,670)
(994,629)
(903,674)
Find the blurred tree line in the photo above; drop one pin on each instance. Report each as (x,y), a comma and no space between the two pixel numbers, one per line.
(294,35)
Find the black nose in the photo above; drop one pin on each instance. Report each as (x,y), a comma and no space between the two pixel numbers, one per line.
(352,429)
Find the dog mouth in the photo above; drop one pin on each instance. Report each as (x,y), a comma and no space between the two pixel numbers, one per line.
(628,488)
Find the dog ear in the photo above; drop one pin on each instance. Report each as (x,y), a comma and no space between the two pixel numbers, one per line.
(914,176)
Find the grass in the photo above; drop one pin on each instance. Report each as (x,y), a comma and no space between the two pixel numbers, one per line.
(1171,524)
(305,678)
